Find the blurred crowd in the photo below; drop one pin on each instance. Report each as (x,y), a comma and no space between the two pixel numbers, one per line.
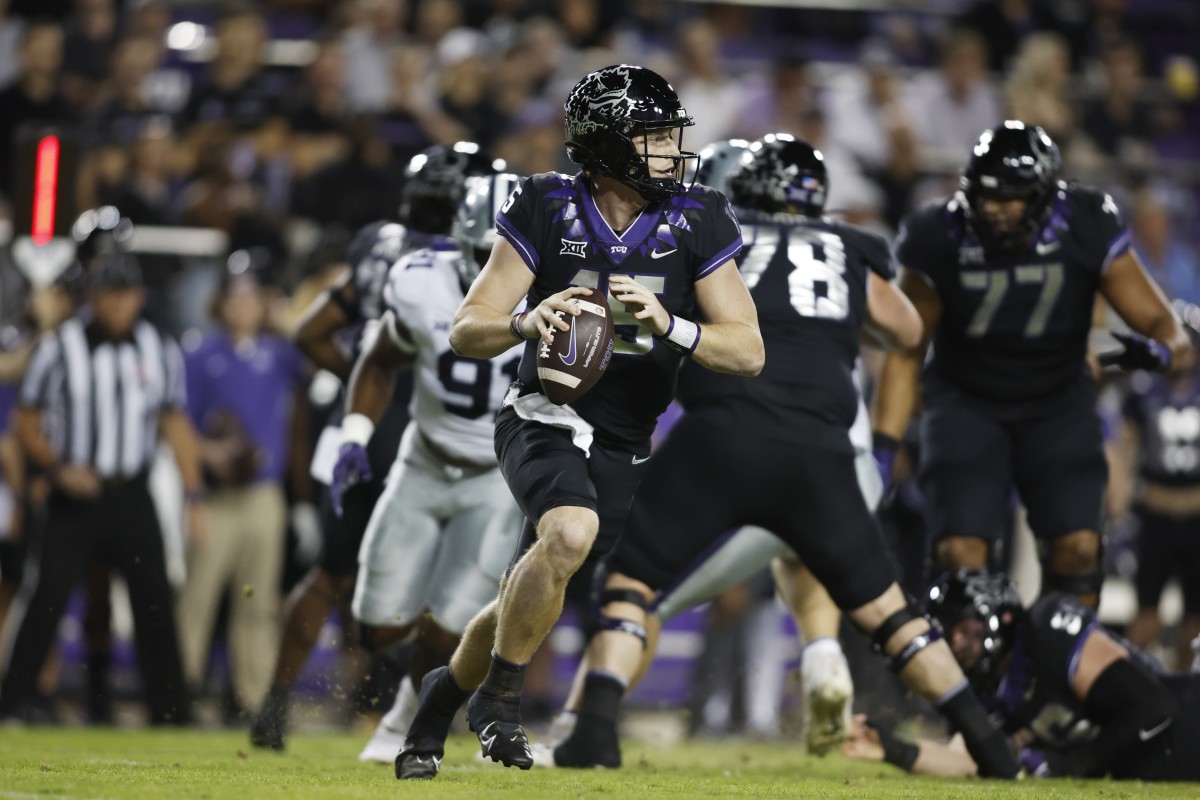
(286,125)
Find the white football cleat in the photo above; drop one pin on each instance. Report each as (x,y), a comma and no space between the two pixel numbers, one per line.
(828,696)
(384,746)
(388,739)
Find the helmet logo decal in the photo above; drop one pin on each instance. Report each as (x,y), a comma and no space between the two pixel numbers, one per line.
(606,94)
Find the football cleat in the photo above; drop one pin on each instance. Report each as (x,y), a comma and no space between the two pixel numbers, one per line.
(412,765)
(271,722)
(384,745)
(828,696)
(497,723)
(593,743)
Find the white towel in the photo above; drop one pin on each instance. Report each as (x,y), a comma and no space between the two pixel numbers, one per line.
(537,408)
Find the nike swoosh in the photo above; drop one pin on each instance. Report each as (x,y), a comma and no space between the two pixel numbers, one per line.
(569,358)
(485,740)
(637,460)
(1146,736)
(661,253)
(1046,247)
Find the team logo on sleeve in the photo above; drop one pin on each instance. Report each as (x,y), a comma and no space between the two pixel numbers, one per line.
(572,248)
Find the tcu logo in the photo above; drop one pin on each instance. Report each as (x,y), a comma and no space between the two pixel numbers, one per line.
(617,248)
(571,248)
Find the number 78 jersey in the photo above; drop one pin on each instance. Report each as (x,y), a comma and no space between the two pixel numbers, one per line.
(808,279)
(455,399)
(1014,327)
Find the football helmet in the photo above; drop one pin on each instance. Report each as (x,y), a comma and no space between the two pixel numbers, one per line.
(611,107)
(435,183)
(717,161)
(986,597)
(780,173)
(101,231)
(1012,161)
(474,227)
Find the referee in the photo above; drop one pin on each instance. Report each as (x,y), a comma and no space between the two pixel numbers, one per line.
(99,392)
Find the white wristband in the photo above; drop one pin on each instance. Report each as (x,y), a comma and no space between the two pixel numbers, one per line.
(357,429)
(684,333)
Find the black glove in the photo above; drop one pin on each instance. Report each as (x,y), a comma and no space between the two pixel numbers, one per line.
(1139,353)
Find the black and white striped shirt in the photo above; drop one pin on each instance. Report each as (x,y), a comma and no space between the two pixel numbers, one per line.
(101,399)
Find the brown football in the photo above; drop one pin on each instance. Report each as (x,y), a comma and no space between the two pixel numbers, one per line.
(578,357)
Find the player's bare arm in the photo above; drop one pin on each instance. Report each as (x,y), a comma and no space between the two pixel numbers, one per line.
(314,334)
(894,321)
(371,383)
(899,383)
(1142,305)
(483,325)
(729,338)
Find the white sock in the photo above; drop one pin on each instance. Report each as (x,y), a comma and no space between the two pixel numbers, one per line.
(397,717)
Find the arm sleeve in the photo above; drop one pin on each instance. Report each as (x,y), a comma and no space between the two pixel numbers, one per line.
(36,383)
(519,223)
(719,237)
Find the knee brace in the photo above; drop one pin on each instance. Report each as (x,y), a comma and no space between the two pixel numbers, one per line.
(897,620)
(607,623)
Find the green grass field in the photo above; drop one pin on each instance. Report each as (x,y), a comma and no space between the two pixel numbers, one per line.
(76,763)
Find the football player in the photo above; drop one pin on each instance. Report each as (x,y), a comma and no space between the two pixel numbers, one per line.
(331,333)
(1076,700)
(825,675)
(775,452)
(445,527)
(1005,275)
(663,253)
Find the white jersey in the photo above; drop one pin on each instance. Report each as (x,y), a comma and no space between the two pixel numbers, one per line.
(455,399)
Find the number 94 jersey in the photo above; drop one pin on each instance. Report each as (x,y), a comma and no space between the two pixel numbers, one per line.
(455,399)
(1014,327)
(808,279)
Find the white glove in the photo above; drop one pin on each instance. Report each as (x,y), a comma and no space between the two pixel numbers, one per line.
(306,525)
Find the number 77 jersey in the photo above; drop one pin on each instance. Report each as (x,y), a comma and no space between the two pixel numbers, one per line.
(455,399)
(1014,327)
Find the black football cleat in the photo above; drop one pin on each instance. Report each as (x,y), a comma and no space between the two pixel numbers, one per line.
(271,722)
(413,765)
(440,699)
(497,723)
(593,743)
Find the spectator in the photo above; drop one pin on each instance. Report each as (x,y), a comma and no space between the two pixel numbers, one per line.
(377,30)
(436,19)
(97,397)
(118,119)
(1173,265)
(1123,121)
(90,37)
(34,97)
(1002,24)
(952,106)
(712,98)
(241,386)
(11,28)
(319,112)
(366,182)
(781,101)
(464,65)
(1036,89)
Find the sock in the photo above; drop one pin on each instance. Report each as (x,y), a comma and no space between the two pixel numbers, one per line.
(985,742)
(396,717)
(447,696)
(504,679)
(602,693)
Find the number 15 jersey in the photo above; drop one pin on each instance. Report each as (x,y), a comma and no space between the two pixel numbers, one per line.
(553,223)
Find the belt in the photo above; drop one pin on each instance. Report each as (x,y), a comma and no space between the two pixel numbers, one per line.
(123,481)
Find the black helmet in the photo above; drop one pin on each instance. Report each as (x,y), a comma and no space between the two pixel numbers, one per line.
(101,231)
(607,109)
(718,160)
(780,173)
(1013,161)
(435,182)
(474,228)
(988,597)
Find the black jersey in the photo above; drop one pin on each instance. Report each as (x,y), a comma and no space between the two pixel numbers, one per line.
(552,221)
(1167,413)
(808,278)
(1014,327)
(1035,690)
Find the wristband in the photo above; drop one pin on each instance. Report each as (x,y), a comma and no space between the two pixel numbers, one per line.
(881,441)
(357,429)
(682,336)
(515,323)
(896,752)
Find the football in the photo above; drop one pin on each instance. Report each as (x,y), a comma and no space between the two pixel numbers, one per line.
(578,357)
